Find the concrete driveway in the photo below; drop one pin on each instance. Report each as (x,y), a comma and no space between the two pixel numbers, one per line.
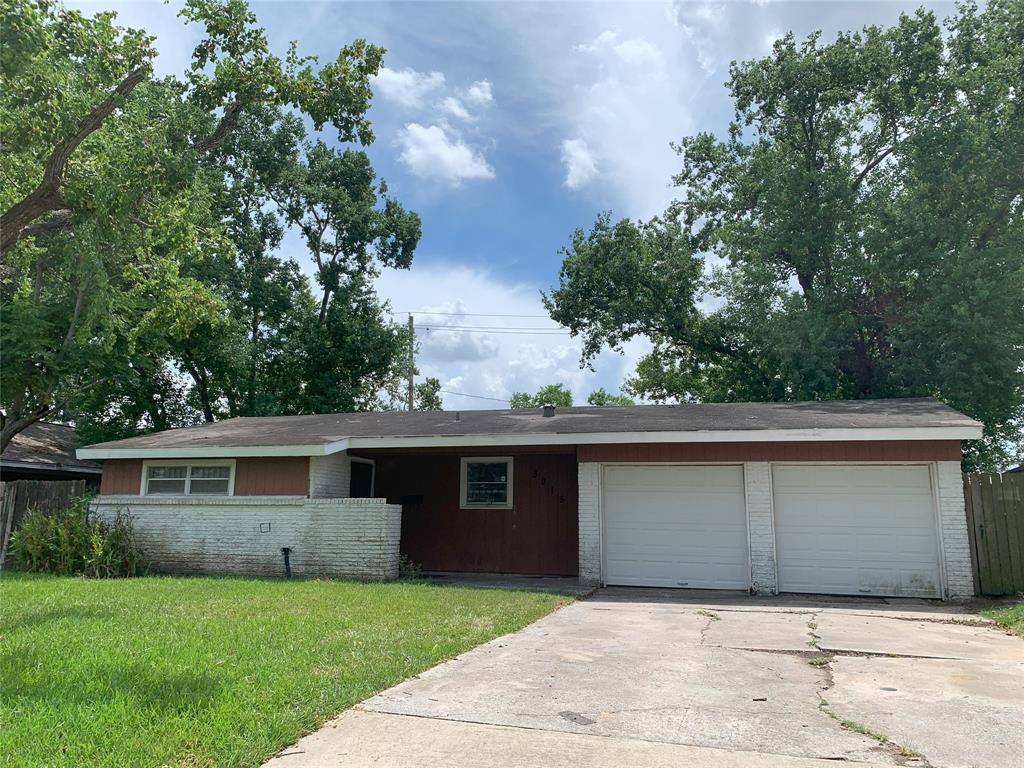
(656,678)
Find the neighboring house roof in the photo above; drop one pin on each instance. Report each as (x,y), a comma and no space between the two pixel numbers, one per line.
(313,435)
(46,446)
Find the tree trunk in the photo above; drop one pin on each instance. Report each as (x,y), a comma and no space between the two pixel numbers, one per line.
(204,397)
(323,306)
(199,377)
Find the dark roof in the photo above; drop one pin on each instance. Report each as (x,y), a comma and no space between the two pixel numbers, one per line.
(328,428)
(45,445)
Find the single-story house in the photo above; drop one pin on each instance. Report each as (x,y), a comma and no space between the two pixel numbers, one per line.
(46,451)
(839,497)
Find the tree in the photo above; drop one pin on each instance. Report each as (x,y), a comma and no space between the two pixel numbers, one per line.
(117,213)
(428,395)
(865,207)
(602,397)
(96,67)
(551,394)
(349,224)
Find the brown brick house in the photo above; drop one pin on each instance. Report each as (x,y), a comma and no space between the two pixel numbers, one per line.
(846,497)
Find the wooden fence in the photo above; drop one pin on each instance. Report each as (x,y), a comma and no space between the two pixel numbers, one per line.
(18,496)
(995,518)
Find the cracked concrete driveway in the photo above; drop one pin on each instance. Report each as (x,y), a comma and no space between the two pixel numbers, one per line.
(667,678)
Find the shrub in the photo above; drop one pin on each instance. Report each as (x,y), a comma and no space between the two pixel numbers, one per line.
(407,569)
(73,541)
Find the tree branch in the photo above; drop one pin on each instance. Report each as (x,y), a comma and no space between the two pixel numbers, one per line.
(14,426)
(47,196)
(55,222)
(228,123)
(871,166)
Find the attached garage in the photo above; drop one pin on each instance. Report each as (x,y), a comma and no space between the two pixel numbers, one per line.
(676,526)
(856,530)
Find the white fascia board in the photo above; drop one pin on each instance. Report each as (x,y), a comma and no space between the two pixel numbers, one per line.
(708,436)
(558,438)
(211,452)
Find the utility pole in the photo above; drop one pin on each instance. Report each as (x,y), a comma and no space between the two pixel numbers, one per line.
(412,364)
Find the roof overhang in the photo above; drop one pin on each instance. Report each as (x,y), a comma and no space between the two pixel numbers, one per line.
(881,434)
(41,467)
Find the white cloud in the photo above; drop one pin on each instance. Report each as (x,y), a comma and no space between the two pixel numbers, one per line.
(625,101)
(580,167)
(499,363)
(407,87)
(702,24)
(632,51)
(771,38)
(480,92)
(431,151)
(455,108)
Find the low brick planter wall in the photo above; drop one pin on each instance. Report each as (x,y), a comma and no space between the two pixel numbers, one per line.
(349,538)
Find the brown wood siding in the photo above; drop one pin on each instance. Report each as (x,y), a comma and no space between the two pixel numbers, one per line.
(537,536)
(254,476)
(121,477)
(272,476)
(907,450)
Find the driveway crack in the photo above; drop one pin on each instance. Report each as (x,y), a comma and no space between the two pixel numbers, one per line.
(900,753)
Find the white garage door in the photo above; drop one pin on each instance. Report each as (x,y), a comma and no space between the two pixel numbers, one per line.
(856,530)
(675,527)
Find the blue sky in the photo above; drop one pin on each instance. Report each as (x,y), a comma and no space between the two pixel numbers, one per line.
(506,126)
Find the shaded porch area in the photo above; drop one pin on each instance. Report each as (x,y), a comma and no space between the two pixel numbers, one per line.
(530,527)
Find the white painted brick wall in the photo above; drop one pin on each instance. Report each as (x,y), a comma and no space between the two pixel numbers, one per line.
(589,475)
(956,548)
(330,476)
(243,535)
(757,479)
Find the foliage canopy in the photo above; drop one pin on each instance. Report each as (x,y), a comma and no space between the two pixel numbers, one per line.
(864,218)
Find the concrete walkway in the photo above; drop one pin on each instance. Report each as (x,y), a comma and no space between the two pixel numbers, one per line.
(640,677)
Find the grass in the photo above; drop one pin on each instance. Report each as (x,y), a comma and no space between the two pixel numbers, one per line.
(900,749)
(205,672)
(1010,616)
(709,614)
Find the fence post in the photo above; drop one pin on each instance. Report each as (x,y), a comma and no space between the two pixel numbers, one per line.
(972,532)
(8,494)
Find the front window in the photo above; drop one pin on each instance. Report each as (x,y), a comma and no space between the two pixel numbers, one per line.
(188,480)
(487,482)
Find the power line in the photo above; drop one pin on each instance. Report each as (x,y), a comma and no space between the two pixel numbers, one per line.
(460,314)
(476,397)
(554,329)
(502,331)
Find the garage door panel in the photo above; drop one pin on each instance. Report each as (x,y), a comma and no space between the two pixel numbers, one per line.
(674,526)
(856,530)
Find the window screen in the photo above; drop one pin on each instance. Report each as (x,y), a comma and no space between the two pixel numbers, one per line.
(188,480)
(487,483)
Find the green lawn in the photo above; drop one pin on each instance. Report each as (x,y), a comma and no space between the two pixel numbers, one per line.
(202,672)
(1010,616)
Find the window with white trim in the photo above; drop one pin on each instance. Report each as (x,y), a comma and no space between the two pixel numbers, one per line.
(486,482)
(183,479)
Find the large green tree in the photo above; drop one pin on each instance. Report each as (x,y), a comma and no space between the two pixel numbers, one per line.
(428,395)
(550,394)
(864,211)
(604,398)
(140,216)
